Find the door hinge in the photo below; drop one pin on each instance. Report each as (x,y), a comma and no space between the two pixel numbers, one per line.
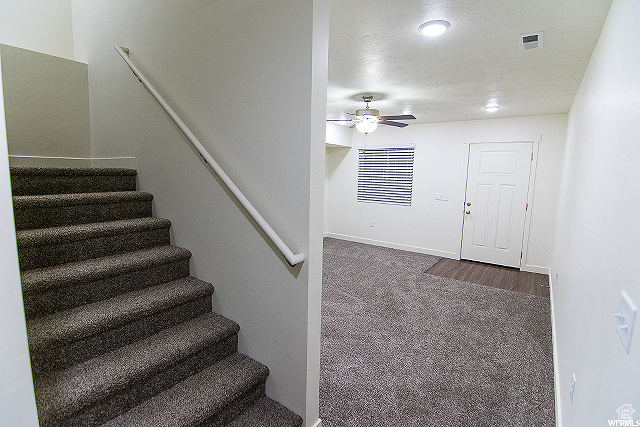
(526,207)
(520,254)
(531,156)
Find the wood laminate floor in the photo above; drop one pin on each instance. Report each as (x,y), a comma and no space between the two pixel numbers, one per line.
(496,276)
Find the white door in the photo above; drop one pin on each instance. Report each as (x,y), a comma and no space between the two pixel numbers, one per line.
(496,202)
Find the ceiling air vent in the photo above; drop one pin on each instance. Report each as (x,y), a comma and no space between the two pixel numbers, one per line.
(530,41)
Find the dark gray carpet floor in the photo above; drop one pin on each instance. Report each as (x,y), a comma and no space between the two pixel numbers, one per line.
(401,347)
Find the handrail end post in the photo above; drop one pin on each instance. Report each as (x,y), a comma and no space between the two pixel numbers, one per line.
(295,259)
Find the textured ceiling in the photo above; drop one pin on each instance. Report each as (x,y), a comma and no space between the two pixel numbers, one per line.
(375,47)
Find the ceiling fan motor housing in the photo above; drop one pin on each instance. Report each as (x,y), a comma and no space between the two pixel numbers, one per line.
(367,112)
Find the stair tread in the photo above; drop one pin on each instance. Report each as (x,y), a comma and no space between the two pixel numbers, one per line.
(39,279)
(54,171)
(48,200)
(85,231)
(71,325)
(64,392)
(199,396)
(47,180)
(267,413)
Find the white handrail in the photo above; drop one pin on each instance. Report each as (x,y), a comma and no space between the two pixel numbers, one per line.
(292,259)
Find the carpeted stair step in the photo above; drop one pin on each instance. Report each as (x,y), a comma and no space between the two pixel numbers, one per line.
(61,287)
(49,210)
(117,327)
(267,413)
(212,397)
(45,247)
(100,389)
(73,336)
(26,181)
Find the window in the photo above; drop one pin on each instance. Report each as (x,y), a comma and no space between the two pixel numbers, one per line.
(385,175)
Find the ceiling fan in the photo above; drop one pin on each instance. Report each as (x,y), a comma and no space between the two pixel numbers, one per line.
(367,119)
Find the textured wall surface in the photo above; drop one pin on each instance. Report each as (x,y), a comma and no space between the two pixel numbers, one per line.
(17,402)
(596,246)
(46,104)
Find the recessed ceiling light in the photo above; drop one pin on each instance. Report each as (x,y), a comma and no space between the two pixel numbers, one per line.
(492,108)
(434,28)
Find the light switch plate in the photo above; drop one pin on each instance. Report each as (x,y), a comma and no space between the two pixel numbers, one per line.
(625,319)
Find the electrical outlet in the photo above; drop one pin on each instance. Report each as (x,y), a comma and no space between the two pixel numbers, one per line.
(442,196)
(572,388)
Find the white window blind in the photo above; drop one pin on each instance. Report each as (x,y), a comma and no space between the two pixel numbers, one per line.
(385,175)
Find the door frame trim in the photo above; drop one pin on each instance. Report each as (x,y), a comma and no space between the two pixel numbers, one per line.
(535,139)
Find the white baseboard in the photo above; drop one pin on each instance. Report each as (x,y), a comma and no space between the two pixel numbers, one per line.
(73,162)
(556,368)
(535,269)
(427,251)
(445,254)
(318,423)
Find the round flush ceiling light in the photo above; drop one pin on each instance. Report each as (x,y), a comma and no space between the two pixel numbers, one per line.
(492,108)
(434,28)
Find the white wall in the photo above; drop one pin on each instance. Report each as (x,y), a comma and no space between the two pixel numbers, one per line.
(245,76)
(337,135)
(319,66)
(337,138)
(597,238)
(46,107)
(40,25)
(17,401)
(432,226)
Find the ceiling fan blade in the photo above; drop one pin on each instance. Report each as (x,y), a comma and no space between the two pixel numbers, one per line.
(400,117)
(339,120)
(396,124)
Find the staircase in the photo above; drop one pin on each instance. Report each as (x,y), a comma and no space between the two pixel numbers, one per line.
(119,333)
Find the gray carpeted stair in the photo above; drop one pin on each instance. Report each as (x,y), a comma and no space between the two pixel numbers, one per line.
(27,181)
(203,390)
(44,247)
(118,330)
(50,210)
(47,290)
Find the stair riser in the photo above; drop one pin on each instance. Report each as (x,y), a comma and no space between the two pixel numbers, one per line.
(47,255)
(236,407)
(43,217)
(120,401)
(77,294)
(30,185)
(60,357)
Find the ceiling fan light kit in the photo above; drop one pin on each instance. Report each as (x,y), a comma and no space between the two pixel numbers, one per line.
(367,124)
(367,119)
